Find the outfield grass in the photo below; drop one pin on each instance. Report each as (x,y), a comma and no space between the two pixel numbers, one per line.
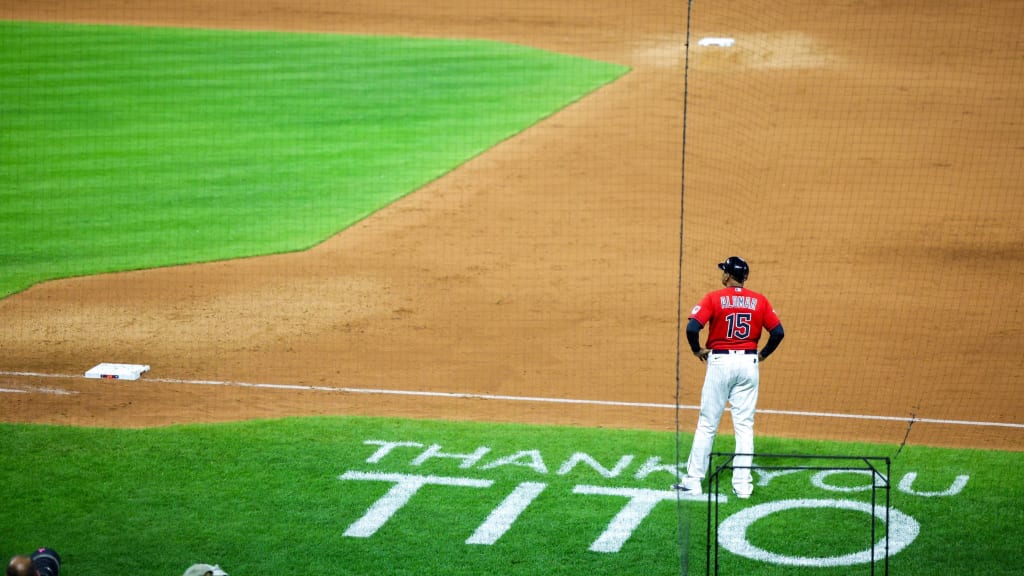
(126,147)
(263,497)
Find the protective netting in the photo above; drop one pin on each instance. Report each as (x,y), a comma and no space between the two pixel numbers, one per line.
(865,158)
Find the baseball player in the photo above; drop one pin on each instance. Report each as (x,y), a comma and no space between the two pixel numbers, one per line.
(735,317)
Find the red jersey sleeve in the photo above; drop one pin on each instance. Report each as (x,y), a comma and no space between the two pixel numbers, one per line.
(704,309)
(771,318)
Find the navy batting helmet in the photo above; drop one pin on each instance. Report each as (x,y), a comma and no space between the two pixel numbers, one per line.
(736,267)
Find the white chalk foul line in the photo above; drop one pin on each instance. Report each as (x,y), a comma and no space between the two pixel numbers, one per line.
(534,399)
(37,390)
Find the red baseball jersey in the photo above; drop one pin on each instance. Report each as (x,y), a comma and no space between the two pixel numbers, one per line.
(736,317)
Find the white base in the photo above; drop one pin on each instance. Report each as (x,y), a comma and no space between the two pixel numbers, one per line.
(711,41)
(117,371)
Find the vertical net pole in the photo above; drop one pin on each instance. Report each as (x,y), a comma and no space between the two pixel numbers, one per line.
(682,518)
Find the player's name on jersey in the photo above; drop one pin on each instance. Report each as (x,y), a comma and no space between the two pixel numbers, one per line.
(746,302)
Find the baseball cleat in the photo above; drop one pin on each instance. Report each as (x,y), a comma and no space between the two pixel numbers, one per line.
(689,486)
(743,491)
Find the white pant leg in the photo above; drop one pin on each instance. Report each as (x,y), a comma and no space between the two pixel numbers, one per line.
(743,399)
(713,397)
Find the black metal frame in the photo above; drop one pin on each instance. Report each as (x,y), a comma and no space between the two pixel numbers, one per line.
(716,474)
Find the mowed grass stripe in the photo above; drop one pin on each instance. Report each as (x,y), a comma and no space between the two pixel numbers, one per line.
(125,147)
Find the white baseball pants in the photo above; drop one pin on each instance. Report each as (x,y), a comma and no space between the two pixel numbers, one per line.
(731,378)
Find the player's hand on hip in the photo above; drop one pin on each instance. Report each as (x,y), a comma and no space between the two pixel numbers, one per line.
(702,354)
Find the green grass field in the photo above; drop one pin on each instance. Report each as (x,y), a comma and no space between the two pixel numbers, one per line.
(387,496)
(126,148)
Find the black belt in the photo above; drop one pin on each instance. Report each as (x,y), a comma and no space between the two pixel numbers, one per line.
(734,351)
